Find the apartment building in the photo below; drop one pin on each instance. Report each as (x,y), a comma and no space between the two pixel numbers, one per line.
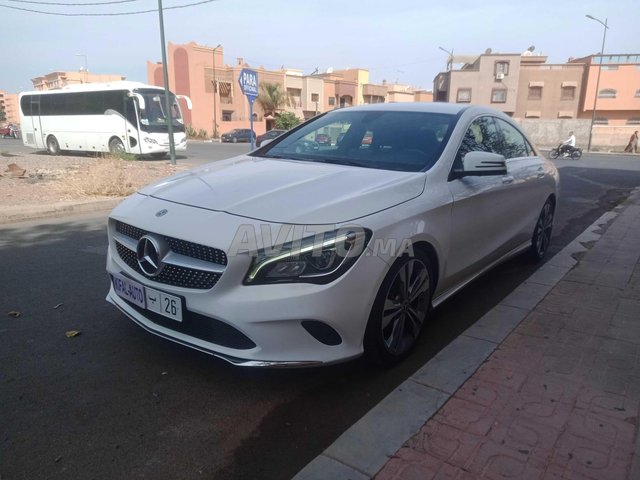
(194,69)
(489,79)
(549,100)
(200,72)
(59,79)
(9,106)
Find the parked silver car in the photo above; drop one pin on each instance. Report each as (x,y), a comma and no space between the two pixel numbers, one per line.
(293,256)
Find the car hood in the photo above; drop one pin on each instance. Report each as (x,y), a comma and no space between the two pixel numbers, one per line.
(286,191)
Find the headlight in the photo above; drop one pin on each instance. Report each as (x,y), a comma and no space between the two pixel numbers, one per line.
(150,140)
(310,260)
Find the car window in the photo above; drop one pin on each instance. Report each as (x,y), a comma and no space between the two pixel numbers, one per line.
(481,136)
(514,144)
(388,140)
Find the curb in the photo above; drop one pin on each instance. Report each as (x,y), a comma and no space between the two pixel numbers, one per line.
(60,209)
(361,451)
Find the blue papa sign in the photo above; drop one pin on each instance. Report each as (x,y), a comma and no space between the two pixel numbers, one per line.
(248,81)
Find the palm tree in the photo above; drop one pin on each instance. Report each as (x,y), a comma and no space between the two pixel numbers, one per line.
(271,98)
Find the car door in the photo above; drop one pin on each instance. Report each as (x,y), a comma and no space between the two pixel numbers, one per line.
(481,207)
(528,173)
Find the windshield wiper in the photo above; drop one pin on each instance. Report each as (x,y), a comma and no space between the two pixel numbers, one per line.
(339,161)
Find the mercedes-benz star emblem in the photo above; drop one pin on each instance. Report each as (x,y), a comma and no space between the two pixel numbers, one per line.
(162,213)
(150,253)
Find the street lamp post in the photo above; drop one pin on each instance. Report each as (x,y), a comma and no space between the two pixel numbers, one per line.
(86,72)
(449,68)
(215,91)
(595,97)
(165,76)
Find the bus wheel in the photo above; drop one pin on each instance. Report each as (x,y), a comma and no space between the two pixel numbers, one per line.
(116,146)
(52,145)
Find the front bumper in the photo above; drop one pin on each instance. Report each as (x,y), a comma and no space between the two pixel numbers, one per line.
(270,316)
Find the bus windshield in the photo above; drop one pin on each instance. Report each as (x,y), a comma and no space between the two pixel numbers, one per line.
(154,118)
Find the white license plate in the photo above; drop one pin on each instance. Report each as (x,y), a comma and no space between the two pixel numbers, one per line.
(162,303)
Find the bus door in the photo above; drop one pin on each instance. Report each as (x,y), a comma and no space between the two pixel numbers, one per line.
(36,123)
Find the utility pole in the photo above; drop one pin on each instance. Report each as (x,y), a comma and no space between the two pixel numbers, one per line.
(215,94)
(595,97)
(165,75)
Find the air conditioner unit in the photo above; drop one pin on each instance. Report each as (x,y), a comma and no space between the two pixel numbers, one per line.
(500,76)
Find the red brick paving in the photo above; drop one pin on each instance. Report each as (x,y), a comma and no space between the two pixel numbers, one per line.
(558,399)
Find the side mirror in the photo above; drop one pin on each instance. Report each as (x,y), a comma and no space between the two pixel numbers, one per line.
(480,164)
(140,99)
(187,100)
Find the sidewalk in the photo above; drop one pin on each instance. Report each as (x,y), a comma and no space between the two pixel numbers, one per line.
(545,386)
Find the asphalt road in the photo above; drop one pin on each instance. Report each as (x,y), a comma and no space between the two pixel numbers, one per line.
(118,402)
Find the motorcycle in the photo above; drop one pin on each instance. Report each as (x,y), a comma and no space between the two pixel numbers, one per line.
(572,152)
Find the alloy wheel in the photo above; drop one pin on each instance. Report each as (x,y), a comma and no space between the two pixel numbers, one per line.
(543,229)
(405,307)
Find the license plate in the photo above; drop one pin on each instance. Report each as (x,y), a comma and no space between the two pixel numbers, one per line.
(159,302)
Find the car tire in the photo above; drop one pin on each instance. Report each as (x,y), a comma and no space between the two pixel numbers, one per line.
(116,146)
(541,237)
(53,147)
(235,140)
(398,314)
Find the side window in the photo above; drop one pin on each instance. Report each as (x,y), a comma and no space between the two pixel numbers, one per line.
(514,144)
(481,136)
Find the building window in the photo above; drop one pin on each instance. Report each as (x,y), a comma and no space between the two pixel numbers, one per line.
(464,95)
(608,93)
(535,93)
(633,121)
(609,67)
(315,97)
(227,115)
(567,93)
(501,67)
(637,95)
(498,95)
(332,101)
(601,121)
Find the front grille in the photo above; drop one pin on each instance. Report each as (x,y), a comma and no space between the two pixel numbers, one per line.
(189,249)
(177,276)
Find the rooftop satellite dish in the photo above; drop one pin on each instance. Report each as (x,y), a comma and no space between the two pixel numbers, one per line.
(82,69)
(330,70)
(488,51)
(531,48)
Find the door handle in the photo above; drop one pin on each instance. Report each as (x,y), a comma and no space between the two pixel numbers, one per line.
(508,179)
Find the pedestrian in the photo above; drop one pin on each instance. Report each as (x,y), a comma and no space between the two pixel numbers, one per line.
(632,146)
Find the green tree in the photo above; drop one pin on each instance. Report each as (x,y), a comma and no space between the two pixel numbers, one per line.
(286,120)
(271,98)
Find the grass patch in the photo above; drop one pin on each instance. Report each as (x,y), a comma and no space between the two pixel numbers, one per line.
(106,177)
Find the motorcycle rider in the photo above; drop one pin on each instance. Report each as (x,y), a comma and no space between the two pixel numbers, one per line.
(568,145)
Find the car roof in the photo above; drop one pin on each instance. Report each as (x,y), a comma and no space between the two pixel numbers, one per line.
(428,107)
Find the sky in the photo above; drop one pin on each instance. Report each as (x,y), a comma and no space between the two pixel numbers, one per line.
(397,41)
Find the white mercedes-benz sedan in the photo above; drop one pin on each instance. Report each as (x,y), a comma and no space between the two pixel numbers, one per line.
(302,254)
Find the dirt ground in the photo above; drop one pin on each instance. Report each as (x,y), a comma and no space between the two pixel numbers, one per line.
(37,179)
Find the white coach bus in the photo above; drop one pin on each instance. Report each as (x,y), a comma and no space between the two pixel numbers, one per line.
(102,117)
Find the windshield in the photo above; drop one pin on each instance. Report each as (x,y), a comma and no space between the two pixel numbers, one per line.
(388,140)
(153,118)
